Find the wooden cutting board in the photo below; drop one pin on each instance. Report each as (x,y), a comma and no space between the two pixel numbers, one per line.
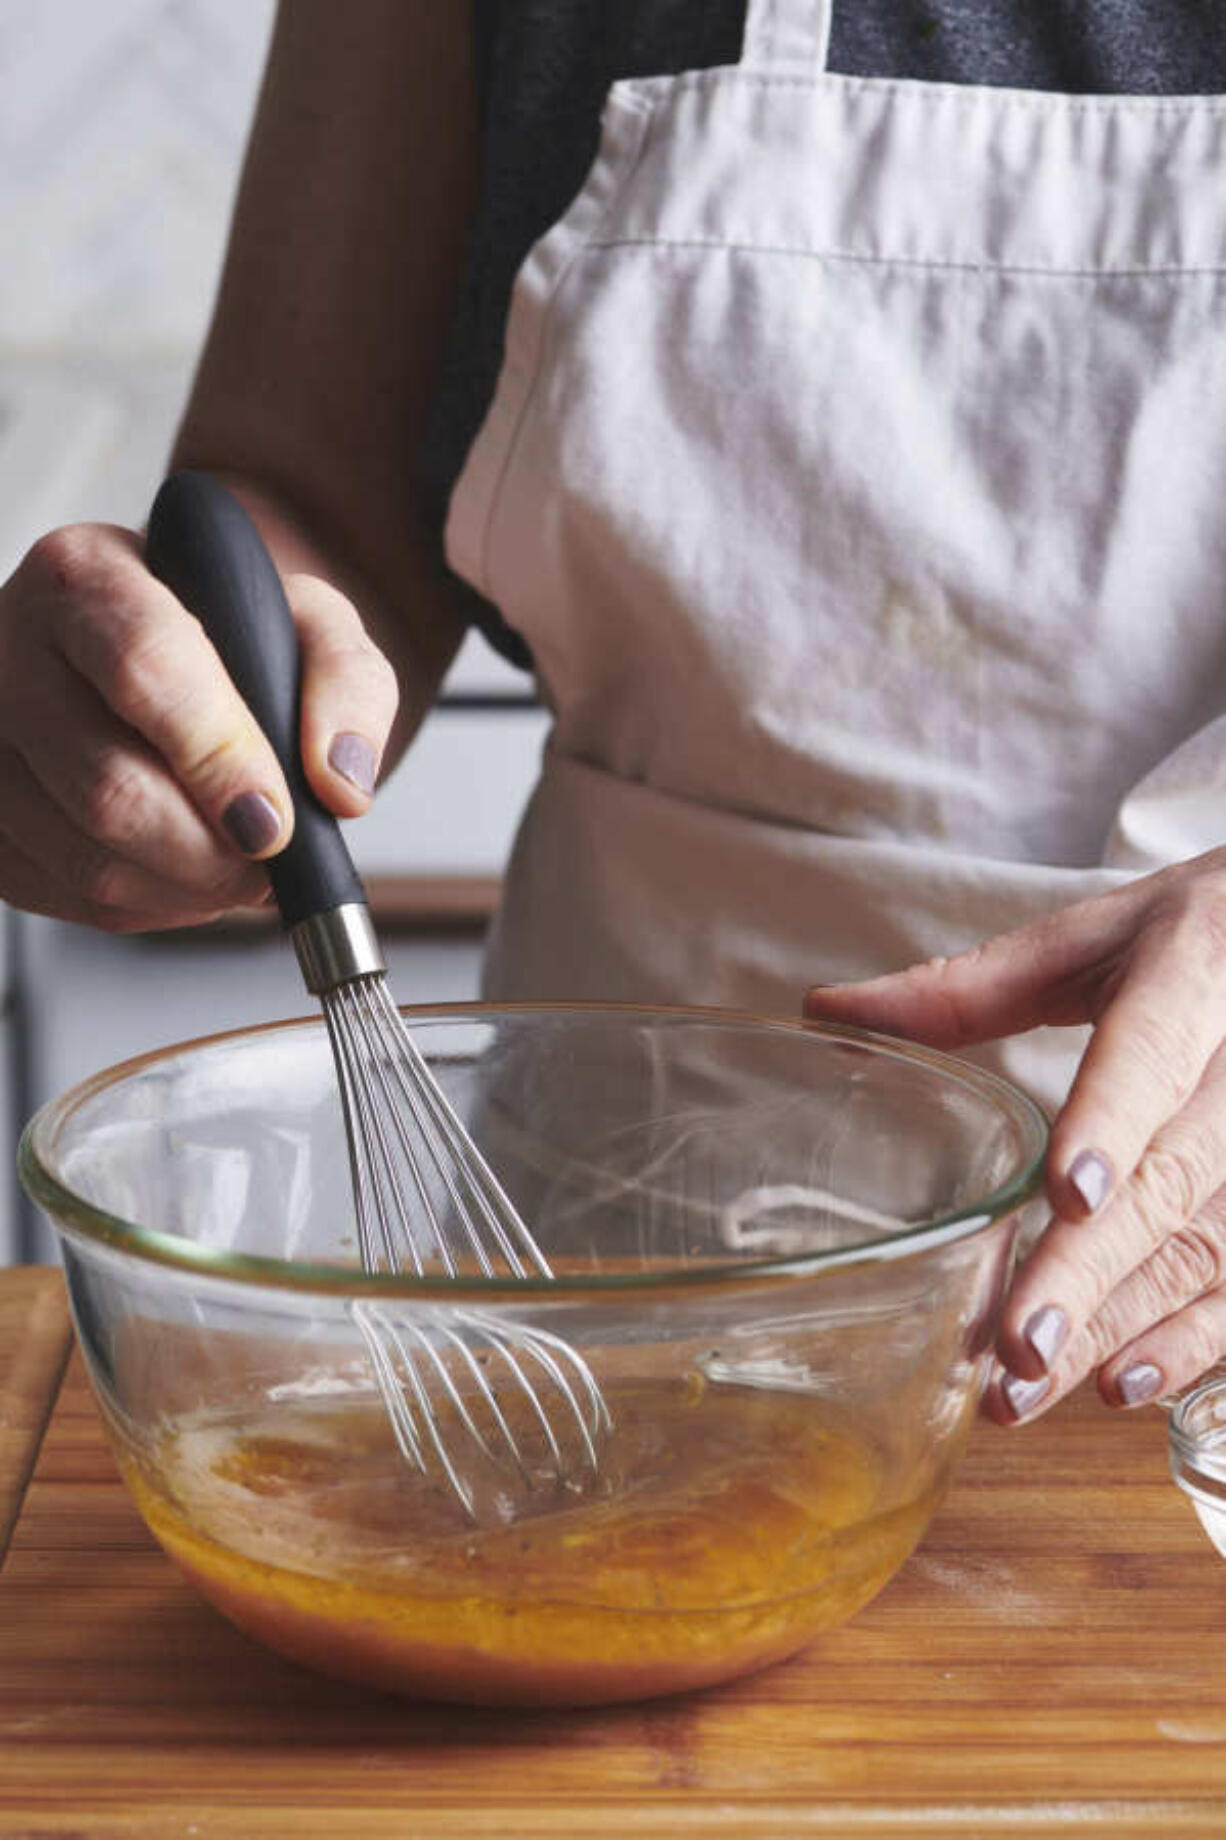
(1053,1660)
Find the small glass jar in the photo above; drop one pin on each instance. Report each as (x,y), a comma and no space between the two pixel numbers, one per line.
(1197,1447)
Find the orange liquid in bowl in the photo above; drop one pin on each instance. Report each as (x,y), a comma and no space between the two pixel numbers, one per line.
(731,1525)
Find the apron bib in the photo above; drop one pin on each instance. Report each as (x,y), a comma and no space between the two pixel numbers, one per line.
(856,475)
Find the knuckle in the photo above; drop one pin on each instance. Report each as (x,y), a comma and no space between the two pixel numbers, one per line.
(115,800)
(1145,1298)
(214,765)
(1166,1053)
(211,741)
(1169,1184)
(93,873)
(100,878)
(338,648)
(1205,906)
(363,669)
(136,675)
(1107,1330)
(1152,1292)
(1187,1343)
(1190,1262)
(136,655)
(70,559)
(1202,1343)
(1188,1265)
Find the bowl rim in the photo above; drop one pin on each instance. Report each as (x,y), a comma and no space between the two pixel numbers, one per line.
(74,1217)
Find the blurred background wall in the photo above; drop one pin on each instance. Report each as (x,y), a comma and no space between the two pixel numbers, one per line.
(122,125)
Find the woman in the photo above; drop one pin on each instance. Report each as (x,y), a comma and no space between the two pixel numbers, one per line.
(851,483)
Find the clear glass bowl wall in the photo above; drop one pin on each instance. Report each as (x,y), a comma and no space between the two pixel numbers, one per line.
(805,1220)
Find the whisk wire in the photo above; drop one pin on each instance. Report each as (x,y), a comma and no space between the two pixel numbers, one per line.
(377,1041)
(602,1421)
(553,1355)
(386,1053)
(451,1146)
(406,1423)
(390,1201)
(413,1405)
(355,1138)
(401,1417)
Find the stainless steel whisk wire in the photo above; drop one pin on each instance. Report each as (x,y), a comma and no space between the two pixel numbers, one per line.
(378,1061)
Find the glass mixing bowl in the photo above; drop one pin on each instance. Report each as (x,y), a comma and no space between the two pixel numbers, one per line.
(779,1249)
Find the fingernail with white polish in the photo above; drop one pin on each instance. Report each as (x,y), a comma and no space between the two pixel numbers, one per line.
(1022,1396)
(1140,1382)
(354,759)
(1047,1331)
(1091,1175)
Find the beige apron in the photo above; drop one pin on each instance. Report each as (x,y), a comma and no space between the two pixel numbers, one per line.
(857,475)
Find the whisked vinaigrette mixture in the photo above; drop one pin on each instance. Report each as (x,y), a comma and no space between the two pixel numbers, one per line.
(730,1524)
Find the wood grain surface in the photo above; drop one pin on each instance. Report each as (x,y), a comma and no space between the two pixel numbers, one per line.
(35,1336)
(1053,1660)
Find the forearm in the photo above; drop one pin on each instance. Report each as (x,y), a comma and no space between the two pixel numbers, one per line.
(333,310)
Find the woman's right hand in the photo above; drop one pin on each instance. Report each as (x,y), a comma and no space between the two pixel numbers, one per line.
(136,789)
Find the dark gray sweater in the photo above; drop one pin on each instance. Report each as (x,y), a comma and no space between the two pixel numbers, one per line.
(543,67)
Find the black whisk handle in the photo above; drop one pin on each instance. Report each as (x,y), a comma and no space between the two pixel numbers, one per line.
(204,547)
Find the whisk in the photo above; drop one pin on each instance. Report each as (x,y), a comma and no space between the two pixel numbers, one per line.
(462,1388)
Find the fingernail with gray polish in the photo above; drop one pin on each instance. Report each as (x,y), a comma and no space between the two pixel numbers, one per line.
(1091,1175)
(1022,1396)
(252,821)
(1047,1332)
(1140,1382)
(354,759)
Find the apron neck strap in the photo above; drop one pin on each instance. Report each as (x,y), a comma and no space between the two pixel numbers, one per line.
(786,34)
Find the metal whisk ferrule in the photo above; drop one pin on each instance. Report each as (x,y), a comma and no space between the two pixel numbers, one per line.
(336,946)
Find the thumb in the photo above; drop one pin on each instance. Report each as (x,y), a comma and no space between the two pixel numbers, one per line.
(349,696)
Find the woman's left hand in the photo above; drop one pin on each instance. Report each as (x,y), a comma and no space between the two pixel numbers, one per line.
(1129,1278)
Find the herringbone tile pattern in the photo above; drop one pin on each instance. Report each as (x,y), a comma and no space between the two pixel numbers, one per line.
(121,129)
